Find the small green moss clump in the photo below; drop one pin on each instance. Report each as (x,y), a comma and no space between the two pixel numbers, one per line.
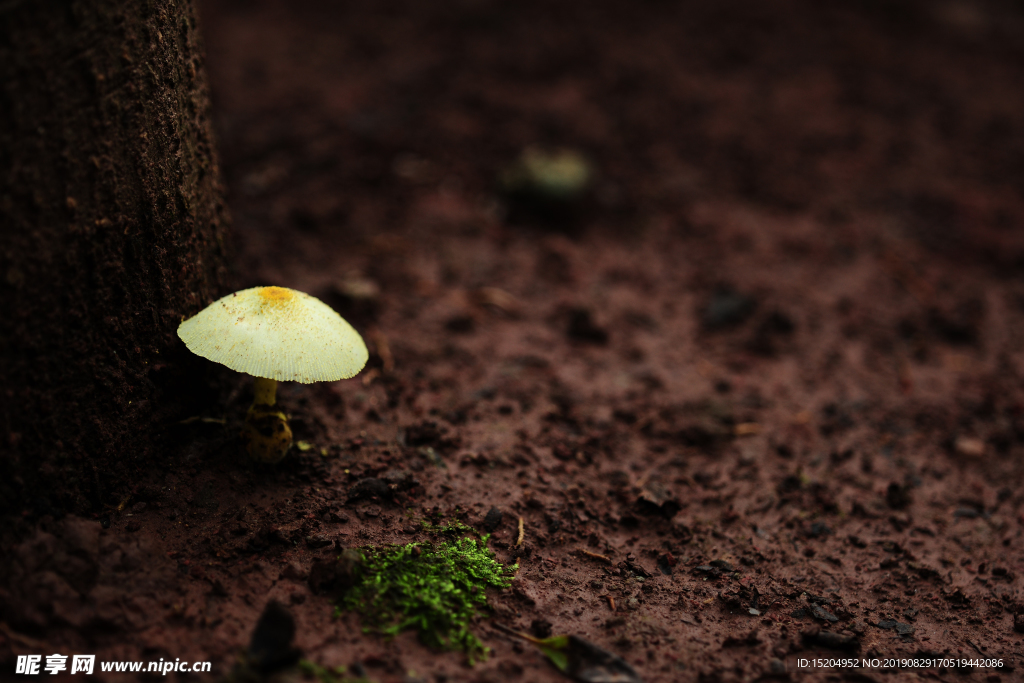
(435,588)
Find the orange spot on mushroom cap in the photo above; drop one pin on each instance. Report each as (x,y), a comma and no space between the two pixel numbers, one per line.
(276,295)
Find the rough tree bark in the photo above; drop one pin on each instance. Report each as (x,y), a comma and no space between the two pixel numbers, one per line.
(112,227)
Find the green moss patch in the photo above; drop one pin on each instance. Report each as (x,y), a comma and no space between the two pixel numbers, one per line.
(436,588)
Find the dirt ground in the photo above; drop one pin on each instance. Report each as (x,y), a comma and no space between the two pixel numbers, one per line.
(757,396)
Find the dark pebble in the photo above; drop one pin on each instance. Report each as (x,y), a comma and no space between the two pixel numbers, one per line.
(337,574)
(820,612)
(897,496)
(369,488)
(541,628)
(491,520)
(893,625)
(399,480)
(271,646)
(583,329)
(460,324)
(819,529)
(727,308)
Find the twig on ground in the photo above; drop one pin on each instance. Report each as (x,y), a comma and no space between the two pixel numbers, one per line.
(596,556)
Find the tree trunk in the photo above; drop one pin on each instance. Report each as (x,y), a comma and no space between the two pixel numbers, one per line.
(112,228)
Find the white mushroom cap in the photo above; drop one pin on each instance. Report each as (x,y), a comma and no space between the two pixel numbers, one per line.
(277,333)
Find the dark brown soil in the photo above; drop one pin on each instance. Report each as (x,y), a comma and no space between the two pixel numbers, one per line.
(758,395)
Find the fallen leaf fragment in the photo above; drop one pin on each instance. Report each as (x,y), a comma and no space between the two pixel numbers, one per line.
(581,660)
(747,429)
(200,418)
(970,446)
(499,299)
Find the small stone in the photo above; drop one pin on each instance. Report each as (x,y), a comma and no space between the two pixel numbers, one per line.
(893,625)
(336,575)
(492,520)
(897,496)
(820,612)
(904,629)
(582,328)
(370,487)
(541,628)
(399,480)
(727,308)
(819,529)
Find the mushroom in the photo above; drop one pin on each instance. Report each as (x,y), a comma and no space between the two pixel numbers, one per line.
(276,335)
(560,176)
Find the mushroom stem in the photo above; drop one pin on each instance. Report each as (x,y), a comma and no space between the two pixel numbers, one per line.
(265,390)
(266,434)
